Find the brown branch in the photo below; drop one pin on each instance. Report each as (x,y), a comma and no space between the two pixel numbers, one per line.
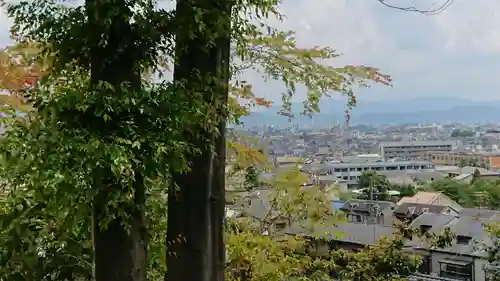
(413,8)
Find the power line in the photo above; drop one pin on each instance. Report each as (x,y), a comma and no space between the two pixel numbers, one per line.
(429,11)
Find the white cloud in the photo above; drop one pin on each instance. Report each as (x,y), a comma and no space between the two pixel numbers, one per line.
(454,53)
(5,24)
(471,26)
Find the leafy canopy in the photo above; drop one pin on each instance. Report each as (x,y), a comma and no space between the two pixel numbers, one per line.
(74,133)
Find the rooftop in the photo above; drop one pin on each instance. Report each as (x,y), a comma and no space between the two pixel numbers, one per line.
(354,233)
(418,208)
(379,164)
(421,197)
(416,143)
(479,213)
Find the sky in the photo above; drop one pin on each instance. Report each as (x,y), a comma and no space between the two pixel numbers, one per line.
(453,54)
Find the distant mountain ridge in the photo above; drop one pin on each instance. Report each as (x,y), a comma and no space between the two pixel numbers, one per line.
(419,110)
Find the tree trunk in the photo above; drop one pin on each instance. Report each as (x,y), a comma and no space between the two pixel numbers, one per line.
(218,193)
(193,226)
(120,254)
(218,207)
(119,251)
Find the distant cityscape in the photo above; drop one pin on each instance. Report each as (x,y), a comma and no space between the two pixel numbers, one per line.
(423,110)
(413,155)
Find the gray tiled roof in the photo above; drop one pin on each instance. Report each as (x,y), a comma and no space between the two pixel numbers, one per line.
(366,205)
(460,226)
(479,213)
(436,221)
(356,233)
(255,204)
(472,227)
(418,208)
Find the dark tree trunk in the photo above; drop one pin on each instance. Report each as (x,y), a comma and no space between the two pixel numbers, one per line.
(195,210)
(120,254)
(188,252)
(218,193)
(119,251)
(217,216)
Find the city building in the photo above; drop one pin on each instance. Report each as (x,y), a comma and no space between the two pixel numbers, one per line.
(352,171)
(486,160)
(413,150)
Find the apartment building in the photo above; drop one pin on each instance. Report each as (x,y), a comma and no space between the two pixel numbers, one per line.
(352,171)
(487,160)
(413,150)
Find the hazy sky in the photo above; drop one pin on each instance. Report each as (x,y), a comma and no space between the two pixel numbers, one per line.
(455,53)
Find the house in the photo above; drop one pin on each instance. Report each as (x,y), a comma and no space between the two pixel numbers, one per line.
(253,204)
(369,211)
(410,211)
(430,198)
(257,205)
(464,259)
(347,236)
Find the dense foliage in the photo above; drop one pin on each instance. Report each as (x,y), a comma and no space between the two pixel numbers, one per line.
(87,170)
(374,186)
(478,193)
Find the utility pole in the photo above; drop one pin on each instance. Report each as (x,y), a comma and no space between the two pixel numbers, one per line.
(371,190)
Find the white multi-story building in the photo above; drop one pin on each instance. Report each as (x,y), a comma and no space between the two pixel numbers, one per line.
(413,150)
(352,171)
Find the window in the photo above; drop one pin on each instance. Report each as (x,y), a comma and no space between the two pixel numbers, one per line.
(463,240)
(410,210)
(355,218)
(425,267)
(424,228)
(280,225)
(457,270)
